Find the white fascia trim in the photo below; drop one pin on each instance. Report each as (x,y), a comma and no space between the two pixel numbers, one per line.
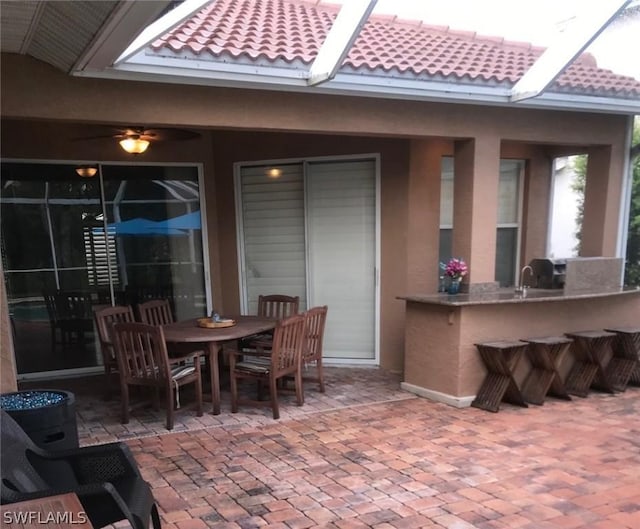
(461,93)
(207,69)
(207,73)
(595,104)
(162,26)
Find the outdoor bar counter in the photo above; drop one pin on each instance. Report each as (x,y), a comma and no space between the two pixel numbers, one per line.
(441,360)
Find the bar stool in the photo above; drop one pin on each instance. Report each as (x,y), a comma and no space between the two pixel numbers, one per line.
(545,355)
(501,360)
(592,351)
(625,364)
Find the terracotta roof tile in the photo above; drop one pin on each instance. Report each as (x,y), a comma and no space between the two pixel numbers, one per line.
(293,30)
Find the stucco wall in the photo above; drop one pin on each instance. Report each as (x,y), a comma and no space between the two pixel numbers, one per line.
(243,125)
(106,101)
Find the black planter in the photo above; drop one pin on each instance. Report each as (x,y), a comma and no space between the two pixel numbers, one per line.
(48,416)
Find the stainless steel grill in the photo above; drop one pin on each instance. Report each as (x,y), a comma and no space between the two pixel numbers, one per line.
(547,273)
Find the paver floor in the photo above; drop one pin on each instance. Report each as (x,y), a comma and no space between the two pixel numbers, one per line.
(367,454)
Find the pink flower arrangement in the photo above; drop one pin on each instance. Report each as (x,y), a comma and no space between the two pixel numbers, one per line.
(455,269)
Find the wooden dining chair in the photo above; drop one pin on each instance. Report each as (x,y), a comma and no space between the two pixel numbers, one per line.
(59,334)
(155,312)
(104,319)
(71,313)
(315,319)
(283,359)
(278,306)
(143,361)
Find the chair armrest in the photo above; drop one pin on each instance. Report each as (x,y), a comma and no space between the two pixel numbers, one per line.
(80,490)
(237,356)
(190,356)
(262,344)
(99,463)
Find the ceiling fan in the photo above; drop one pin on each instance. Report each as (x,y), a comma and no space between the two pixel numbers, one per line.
(136,140)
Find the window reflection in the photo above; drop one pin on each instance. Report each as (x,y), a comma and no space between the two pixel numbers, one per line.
(54,241)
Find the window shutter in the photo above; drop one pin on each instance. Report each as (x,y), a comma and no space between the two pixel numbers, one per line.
(273,230)
(341,199)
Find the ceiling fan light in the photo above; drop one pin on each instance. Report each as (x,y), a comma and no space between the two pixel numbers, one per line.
(134,145)
(86,171)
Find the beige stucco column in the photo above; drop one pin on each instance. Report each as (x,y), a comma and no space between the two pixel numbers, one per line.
(536,206)
(7,357)
(601,203)
(423,232)
(475,202)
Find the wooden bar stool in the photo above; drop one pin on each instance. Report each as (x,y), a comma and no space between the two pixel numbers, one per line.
(592,351)
(545,355)
(625,364)
(501,360)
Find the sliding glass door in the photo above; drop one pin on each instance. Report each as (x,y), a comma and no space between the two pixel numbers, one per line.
(70,244)
(309,229)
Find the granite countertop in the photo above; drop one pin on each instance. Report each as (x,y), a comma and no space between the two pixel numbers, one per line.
(508,295)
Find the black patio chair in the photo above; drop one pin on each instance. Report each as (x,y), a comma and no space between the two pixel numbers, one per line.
(105,478)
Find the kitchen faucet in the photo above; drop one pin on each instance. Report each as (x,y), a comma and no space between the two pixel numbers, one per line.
(521,287)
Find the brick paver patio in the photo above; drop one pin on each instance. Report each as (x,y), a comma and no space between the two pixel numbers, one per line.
(366,454)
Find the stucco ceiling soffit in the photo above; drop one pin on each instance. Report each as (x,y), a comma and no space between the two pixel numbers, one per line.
(124,23)
(339,40)
(592,19)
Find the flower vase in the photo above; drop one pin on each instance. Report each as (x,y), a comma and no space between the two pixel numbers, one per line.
(454,286)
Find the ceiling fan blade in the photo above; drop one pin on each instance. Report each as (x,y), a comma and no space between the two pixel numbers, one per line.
(167,134)
(150,134)
(99,137)
(104,132)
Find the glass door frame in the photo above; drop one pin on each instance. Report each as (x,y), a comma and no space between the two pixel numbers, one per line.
(80,371)
(375,157)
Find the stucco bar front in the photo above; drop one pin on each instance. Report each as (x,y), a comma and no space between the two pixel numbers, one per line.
(441,361)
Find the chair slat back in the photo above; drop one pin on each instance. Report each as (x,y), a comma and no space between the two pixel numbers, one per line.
(141,352)
(288,340)
(52,309)
(315,320)
(107,316)
(155,312)
(74,305)
(278,306)
(104,319)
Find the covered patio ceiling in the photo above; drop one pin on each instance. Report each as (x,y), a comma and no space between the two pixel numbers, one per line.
(111,39)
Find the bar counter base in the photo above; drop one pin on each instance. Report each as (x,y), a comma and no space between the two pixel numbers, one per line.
(442,363)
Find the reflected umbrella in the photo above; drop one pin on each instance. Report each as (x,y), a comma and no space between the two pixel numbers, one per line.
(139,226)
(190,221)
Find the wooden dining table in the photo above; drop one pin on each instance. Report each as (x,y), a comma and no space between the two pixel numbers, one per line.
(211,341)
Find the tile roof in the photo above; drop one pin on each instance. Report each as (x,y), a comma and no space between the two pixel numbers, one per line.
(289,33)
